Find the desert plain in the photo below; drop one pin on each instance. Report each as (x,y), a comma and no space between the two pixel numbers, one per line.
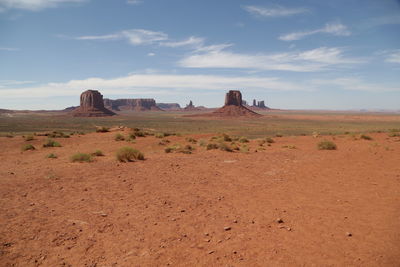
(274,200)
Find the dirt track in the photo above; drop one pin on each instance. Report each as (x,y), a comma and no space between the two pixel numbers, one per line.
(171,209)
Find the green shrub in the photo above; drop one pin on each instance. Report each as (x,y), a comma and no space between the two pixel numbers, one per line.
(51,143)
(366,137)
(131,136)
(243,140)
(29,137)
(225,147)
(81,157)
(97,153)
(326,145)
(28,147)
(51,156)
(127,154)
(119,137)
(102,129)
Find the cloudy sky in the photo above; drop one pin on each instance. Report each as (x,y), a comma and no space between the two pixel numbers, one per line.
(342,54)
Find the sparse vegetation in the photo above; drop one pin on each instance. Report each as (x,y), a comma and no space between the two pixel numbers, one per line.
(51,143)
(226,137)
(327,145)
(29,137)
(164,142)
(211,146)
(202,142)
(159,135)
(81,157)
(244,149)
(102,129)
(243,140)
(289,146)
(119,137)
(269,140)
(98,153)
(51,156)
(128,154)
(225,147)
(366,137)
(28,147)
(187,149)
(57,134)
(191,140)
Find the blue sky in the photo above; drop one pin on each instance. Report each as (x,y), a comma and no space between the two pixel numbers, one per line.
(292,54)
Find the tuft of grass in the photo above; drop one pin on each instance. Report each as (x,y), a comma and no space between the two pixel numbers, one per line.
(243,140)
(289,146)
(119,137)
(51,143)
(51,156)
(191,140)
(102,129)
(366,137)
(211,146)
(226,137)
(244,149)
(202,142)
(81,157)
(269,140)
(225,147)
(164,142)
(128,154)
(58,134)
(327,145)
(159,135)
(29,137)
(179,149)
(28,147)
(98,153)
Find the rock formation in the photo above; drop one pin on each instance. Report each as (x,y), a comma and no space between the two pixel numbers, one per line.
(233,107)
(135,104)
(191,107)
(91,105)
(259,105)
(169,106)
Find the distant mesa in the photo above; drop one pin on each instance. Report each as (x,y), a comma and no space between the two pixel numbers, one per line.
(259,105)
(91,105)
(133,104)
(233,107)
(169,106)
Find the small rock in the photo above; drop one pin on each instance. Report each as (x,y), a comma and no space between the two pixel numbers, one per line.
(103,215)
(211,252)
(235,221)
(349,234)
(279,220)
(207,240)
(227,228)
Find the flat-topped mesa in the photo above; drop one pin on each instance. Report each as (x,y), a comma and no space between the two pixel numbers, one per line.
(91,105)
(136,104)
(261,104)
(233,98)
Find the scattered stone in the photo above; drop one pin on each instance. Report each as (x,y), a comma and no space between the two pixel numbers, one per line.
(235,221)
(349,234)
(227,228)
(279,220)
(211,251)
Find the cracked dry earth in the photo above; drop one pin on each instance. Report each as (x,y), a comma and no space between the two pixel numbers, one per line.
(277,206)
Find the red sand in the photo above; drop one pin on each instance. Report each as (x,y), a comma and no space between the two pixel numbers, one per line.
(171,209)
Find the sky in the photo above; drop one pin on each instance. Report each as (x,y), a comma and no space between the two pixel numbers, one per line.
(303,54)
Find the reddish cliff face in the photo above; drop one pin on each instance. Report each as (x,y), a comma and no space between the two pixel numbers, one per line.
(234,98)
(139,104)
(91,105)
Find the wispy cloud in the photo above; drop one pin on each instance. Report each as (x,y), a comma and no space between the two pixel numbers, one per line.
(34,5)
(134,2)
(277,11)
(393,56)
(354,84)
(318,59)
(191,41)
(8,49)
(337,29)
(134,36)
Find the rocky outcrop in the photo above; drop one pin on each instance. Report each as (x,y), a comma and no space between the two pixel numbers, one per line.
(169,106)
(259,105)
(233,107)
(135,104)
(91,105)
(191,107)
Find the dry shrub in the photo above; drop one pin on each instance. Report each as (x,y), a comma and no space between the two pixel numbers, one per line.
(81,157)
(128,154)
(327,145)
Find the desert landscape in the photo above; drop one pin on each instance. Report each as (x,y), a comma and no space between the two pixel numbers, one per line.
(199,133)
(226,187)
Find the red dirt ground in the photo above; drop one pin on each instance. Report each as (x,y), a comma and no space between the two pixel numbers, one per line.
(171,209)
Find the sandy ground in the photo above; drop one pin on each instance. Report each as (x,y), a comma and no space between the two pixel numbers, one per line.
(210,208)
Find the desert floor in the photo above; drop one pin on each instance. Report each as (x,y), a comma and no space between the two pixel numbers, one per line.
(209,208)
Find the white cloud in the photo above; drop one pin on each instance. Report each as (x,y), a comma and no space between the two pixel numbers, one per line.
(393,56)
(151,54)
(277,11)
(191,41)
(34,5)
(134,36)
(354,84)
(134,2)
(149,85)
(318,59)
(337,29)
(8,49)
